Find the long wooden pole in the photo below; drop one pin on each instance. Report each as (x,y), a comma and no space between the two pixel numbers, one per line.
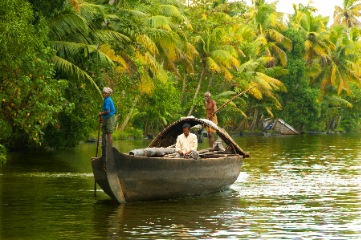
(96,155)
(224,104)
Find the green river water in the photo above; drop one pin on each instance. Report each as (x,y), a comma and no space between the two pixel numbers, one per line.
(292,187)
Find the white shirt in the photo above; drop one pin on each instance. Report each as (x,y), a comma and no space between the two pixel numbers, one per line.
(186,143)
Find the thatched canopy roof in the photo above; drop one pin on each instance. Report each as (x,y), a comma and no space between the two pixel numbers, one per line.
(169,135)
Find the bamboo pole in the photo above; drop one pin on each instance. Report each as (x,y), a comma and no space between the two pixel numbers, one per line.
(224,104)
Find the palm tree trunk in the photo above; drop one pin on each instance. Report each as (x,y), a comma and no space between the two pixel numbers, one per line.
(210,82)
(339,118)
(184,84)
(260,122)
(129,115)
(328,123)
(254,121)
(197,90)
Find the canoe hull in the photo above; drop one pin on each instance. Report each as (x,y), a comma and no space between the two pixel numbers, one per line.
(155,178)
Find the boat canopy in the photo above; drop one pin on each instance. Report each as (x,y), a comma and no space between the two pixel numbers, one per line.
(169,135)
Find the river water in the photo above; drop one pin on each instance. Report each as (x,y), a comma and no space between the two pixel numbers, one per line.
(292,187)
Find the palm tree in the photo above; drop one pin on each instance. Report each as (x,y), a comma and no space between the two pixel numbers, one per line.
(269,24)
(332,110)
(330,55)
(157,41)
(348,14)
(80,32)
(314,30)
(256,75)
(158,44)
(342,65)
(263,49)
(218,56)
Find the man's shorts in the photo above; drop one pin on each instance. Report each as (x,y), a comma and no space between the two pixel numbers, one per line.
(108,124)
(215,121)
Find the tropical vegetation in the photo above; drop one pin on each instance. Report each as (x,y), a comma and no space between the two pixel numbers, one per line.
(160,56)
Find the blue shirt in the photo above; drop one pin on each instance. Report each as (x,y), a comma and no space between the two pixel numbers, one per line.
(108,105)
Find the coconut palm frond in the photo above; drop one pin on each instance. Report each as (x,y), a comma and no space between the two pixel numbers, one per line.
(149,61)
(212,65)
(250,65)
(320,50)
(104,36)
(224,58)
(163,36)
(170,53)
(230,49)
(67,48)
(176,3)
(353,69)
(314,70)
(342,85)
(69,68)
(269,111)
(348,14)
(308,45)
(227,94)
(269,83)
(333,74)
(226,73)
(136,13)
(338,101)
(90,12)
(276,72)
(325,82)
(171,11)
(72,49)
(64,25)
(148,43)
(168,40)
(256,93)
(281,55)
(191,51)
(146,84)
(107,54)
(170,66)
(280,39)
(262,82)
(160,22)
(161,74)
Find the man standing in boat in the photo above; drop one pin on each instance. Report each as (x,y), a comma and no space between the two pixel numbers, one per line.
(211,108)
(187,144)
(107,116)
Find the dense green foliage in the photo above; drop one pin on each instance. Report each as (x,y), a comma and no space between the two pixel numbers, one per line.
(160,57)
(300,99)
(31,97)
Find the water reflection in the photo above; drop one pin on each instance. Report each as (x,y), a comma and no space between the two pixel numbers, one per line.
(189,218)
(292,187)
(314,193)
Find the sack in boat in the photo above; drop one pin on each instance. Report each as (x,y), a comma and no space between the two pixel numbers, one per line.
(158,152)
(152,152)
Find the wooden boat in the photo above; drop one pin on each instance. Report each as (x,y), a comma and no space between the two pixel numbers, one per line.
(130,178)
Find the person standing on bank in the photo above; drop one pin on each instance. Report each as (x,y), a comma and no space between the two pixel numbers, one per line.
(187,144)
(211,107)
(107,116)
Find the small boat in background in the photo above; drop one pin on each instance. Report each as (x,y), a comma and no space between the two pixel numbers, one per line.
(280,126)
(154,173)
